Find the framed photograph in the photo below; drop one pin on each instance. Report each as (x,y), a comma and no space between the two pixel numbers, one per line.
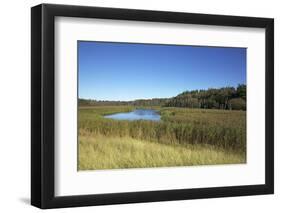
(139,106)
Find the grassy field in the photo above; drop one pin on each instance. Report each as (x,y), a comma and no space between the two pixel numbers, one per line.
(183,137)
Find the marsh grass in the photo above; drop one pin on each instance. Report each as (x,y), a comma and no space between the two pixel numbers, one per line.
(183,137)
(102,152)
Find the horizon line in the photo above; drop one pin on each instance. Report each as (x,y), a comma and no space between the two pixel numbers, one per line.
(131,100)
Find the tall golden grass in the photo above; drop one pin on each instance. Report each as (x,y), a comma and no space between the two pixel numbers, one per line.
(101,152)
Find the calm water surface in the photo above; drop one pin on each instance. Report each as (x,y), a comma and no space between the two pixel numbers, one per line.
(138,114)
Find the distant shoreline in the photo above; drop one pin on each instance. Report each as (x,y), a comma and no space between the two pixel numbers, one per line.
(220,98)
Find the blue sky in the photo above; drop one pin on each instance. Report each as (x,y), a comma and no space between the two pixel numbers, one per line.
(126,71)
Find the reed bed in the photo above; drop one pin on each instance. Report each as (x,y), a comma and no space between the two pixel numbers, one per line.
(185,136)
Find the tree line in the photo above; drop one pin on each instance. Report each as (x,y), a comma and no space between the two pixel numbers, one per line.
(228,98)
(222,98)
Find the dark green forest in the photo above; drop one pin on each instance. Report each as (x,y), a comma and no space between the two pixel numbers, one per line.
(227,98)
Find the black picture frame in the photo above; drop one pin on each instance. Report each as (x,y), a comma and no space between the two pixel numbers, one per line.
(43,117)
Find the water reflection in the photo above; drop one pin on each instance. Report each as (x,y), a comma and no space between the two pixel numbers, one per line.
(138,114)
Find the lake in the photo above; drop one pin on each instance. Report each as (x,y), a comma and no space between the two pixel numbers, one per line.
(138,114)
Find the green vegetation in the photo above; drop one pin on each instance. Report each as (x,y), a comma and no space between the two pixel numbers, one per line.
(221,98)
(228,98)
(183,137)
